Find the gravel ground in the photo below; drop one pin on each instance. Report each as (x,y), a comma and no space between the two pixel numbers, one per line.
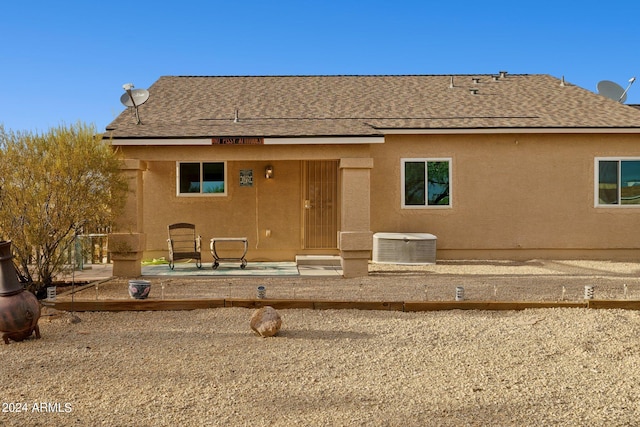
(534,280)
(340,367)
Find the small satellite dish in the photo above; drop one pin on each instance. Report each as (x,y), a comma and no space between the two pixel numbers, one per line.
(612,90)
(135,97)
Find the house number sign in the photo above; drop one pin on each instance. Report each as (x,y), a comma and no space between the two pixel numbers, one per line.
(237,141)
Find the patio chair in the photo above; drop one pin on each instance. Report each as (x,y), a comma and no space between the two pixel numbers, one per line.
(183,243)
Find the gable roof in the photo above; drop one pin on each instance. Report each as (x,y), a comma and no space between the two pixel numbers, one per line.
(315,106)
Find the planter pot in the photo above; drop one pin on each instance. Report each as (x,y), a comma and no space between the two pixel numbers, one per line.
(139,289)
(19,309)
(20,314)
(262,292)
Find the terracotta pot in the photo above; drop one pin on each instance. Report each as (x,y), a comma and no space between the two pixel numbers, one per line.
(20,314)
(19,309)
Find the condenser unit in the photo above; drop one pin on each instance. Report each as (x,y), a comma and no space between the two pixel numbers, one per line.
(404,248)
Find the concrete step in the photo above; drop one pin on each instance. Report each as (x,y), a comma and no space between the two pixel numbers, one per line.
(325,260)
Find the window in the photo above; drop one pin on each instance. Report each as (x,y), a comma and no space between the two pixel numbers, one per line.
(618,182)
(201,178)
(425,183)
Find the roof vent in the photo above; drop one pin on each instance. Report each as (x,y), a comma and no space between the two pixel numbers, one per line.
(562,82)
(475,80)
(503,74)
(494,78)
(236,118)
(451,84)
(474,91)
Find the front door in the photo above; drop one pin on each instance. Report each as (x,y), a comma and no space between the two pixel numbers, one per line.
(320,204)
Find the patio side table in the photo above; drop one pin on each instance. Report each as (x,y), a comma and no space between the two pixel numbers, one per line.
(217,258)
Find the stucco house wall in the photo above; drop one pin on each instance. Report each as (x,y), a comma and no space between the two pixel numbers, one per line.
(269,204)
(516,196)
(521,150)
(272,204)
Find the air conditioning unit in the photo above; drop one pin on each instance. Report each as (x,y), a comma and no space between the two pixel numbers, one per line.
(404,248)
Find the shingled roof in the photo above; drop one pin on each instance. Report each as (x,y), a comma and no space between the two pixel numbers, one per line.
(314,106)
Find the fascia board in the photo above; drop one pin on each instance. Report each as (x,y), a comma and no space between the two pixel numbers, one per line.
(267,141)
(413,131)
(325,140)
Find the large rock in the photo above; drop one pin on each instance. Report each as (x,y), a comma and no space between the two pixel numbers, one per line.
(266,321)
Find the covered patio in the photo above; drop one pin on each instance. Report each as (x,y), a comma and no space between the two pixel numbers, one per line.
(252,269)
(100,272)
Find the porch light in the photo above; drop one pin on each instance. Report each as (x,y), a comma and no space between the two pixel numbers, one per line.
(268,172)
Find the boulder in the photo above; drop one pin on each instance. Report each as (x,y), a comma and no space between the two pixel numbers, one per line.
(266,321)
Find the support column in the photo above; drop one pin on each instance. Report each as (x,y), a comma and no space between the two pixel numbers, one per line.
(127,243)
(355,239)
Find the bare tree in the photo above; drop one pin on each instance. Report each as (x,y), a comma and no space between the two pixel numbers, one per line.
(53,185)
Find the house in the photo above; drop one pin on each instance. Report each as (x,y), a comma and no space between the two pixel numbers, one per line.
(496,166)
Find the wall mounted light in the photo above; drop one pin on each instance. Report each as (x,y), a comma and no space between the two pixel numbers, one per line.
(268,172)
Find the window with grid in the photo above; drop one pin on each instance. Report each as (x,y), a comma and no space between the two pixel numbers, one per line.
(201,179)
(617,182)
(426,183)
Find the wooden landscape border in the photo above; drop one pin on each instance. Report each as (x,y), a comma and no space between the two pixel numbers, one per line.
(280,304)
(615,304)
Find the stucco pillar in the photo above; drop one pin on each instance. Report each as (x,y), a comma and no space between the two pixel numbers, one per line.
(127,242)
(355,239)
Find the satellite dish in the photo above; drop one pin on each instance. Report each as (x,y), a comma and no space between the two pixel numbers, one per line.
(134,97)
(612,90)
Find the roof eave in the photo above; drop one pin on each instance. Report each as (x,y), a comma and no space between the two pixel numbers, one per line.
(301,140)
(510,130)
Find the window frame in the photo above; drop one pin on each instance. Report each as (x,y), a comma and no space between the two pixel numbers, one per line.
(201,194)
(425,160)
(596,182)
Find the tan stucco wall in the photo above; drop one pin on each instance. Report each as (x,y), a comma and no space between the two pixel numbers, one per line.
(513,196)
(274,204)
(132,218)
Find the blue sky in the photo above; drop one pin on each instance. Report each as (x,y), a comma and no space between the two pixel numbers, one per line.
(64,61)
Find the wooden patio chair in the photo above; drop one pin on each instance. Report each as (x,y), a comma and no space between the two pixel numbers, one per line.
(183,243)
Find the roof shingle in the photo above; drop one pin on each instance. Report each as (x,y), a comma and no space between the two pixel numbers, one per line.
(307,106)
